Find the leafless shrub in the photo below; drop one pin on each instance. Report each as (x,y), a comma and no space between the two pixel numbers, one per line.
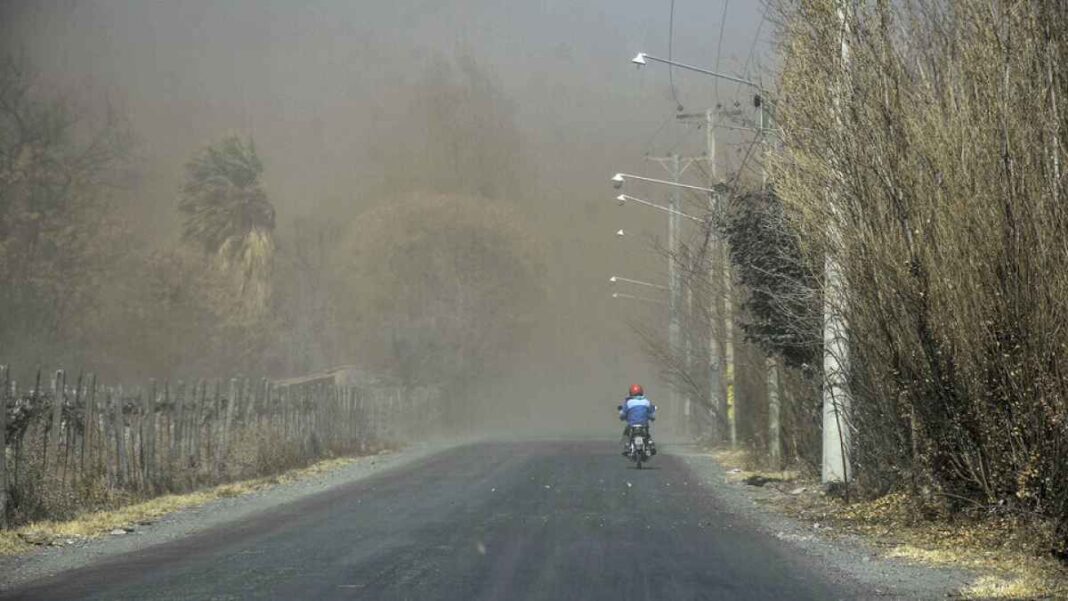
(929,165)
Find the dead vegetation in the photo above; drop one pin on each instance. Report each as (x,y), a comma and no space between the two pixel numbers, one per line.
(127,518)
(1007,552)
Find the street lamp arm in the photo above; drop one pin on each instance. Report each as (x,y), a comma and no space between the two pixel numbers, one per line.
(625,197)
(619,178)
(643,57)
(619,278)
(638,298)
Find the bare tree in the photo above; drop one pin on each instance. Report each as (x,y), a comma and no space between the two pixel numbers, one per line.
(948,231)
(59,164)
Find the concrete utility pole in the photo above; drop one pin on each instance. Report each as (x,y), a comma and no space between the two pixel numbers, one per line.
(721,372)
(772,363)
(716,367)
(774,413)
(675,166)
(836,393)
(641,59)
(717,396)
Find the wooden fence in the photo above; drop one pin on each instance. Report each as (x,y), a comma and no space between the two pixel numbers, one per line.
(70,444)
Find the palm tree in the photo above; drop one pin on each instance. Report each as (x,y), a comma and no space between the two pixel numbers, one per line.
(227,214)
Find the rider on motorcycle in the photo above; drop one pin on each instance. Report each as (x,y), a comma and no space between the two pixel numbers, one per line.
(637,411)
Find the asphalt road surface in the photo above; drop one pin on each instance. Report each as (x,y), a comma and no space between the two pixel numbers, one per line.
(508,521)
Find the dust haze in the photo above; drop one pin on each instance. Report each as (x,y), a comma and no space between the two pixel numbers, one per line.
(435,199)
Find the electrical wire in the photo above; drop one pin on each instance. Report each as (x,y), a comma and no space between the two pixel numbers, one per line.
(690,131)
(649,144)
(733,182)
(719,48)
(671,68)
(752,47)
(752,50)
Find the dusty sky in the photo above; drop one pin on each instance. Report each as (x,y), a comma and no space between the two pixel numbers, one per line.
(317,82)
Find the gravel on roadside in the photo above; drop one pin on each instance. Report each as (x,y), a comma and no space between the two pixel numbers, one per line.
(846,558)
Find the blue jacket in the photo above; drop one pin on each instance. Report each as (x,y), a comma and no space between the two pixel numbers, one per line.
(637,411)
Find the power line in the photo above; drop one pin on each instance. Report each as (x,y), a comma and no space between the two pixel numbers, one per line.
(671,44)
(719,47)
(752,47)
(752,50)
(684,137)
(649,144)
(733,182)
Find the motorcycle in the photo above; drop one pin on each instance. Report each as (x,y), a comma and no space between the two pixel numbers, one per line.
(640,447)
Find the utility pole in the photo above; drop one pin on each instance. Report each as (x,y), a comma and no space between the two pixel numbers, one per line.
(716,391)
(642,59)
(836,393)
(721,372)
(675,167)
(772,364)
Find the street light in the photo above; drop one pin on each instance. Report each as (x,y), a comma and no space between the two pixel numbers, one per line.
(642,57)
(618,278)
(637,298)
(673,292)
(758,100)
(623,198)
(758,103)
(619,178)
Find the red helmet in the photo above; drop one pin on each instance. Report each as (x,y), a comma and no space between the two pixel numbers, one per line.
(636,390)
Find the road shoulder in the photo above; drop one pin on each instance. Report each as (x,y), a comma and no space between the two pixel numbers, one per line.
(844,558)
(46,561)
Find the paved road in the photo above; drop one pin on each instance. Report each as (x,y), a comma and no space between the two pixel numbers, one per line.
(508,521)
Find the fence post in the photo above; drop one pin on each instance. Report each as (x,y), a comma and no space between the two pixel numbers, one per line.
(118,424)
(57,416)
(4,376)
(100,439)
(87,427)
(107,435)
(178,426)
(248,402)
(193,448)
(148,435)
(264,407)
(361,412)
(137,439)
(224,444)
(72,435)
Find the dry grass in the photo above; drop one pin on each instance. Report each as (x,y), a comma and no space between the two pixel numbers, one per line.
(1005,552)
(741,464)
(99,523)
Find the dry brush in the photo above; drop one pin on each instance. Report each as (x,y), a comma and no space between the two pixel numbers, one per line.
(927,160)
